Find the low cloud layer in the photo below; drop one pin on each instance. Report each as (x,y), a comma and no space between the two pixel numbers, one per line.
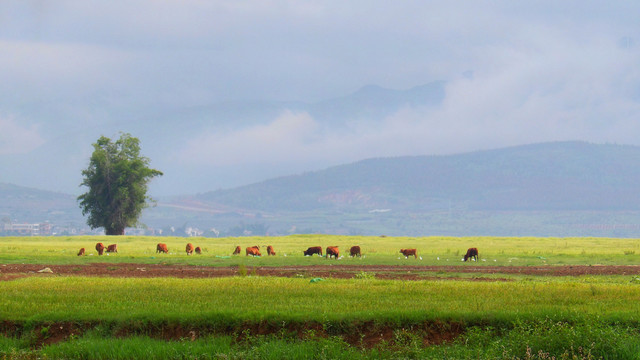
(290,136)
(554,91)
(516,73)
(17,139)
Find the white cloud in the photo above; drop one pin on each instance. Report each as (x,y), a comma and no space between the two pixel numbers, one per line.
(542,71)
(557,92)
(17,139)
(544,91)
(291,136)
(36,71)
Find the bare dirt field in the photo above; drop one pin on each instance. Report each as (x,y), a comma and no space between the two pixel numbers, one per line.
(12,271)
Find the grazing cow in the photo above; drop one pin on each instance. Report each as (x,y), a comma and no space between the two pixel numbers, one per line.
(112,248)
(162,248)
(198,250)
(254,251)
(355,251)
(409,252)
(472,253)
(313,250)
(332,251)
(81,252)
(237,251)
(189,248)
(99,248)
(270,251)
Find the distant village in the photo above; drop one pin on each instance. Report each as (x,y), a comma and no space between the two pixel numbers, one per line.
(49,229)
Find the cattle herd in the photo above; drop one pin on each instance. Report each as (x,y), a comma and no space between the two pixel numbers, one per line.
(331,251)
(100,248)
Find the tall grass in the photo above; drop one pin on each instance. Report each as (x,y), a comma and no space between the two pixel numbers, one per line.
(542,339)
(547,339)
(297,299)
(223,347)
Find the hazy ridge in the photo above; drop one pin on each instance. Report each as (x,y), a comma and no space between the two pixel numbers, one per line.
(546,189)
(548,176)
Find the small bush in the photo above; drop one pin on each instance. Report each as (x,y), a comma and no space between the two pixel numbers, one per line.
(242,270)
(365,275)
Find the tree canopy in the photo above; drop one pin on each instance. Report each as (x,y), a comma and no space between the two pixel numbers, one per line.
(117,178)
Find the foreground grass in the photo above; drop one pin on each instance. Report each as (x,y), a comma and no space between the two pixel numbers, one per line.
(529,318)
(560,318)
(531,340)
(297,299)
(504,251)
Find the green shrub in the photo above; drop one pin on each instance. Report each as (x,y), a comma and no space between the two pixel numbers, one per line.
(547,339)
(242,270)
(365,275)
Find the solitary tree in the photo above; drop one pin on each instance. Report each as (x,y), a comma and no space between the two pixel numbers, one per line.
(117,179)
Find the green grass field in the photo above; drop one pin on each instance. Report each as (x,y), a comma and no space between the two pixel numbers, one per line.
(515,314)
(240,299)
(376,250)
(253,317)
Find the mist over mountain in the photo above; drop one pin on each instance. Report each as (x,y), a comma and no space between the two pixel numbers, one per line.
(225,94)
(185,142)
(374,103)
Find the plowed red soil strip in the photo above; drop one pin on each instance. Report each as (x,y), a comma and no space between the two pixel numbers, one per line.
(12,271)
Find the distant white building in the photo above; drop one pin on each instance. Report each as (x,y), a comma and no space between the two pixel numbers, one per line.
(193,231)
(29,229)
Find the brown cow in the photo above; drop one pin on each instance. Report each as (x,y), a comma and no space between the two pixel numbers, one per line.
(81,252)
(112,248)
(254,251)
(313,250)
(355,251)
(99,248)
(332,251)
(198,250)
(472,253)
(237,251)
(409,252)
(270,251)
(189,248)
(162,248)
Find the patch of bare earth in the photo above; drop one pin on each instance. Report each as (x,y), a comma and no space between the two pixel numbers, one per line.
(14,271)
(366,335)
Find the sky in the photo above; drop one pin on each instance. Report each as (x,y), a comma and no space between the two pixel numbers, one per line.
(515,73)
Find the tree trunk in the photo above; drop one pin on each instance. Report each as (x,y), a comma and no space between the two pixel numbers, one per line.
(115,231)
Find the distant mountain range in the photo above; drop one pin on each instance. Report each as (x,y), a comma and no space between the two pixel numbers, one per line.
(21,204)
(548,176)
(559,189)
(370,102)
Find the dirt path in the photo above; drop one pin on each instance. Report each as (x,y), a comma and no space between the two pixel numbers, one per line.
(12,271)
